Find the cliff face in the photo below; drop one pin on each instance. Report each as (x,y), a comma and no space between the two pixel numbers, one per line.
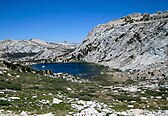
(133,42)
(33,49)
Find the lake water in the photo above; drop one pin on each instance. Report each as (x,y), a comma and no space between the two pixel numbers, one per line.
(80,69)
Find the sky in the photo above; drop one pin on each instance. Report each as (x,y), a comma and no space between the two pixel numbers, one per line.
(65,20)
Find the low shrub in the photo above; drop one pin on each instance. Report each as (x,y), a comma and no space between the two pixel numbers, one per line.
(85,98)
(9,85)
(4,103)
(126,97)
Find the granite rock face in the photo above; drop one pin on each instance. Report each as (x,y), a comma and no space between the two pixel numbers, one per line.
(133,42)
(32,50)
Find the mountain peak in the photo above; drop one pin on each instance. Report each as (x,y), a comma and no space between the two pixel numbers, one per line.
(38,41)
(136,41)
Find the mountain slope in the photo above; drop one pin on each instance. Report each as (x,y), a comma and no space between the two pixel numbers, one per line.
(32,50)
(133,42)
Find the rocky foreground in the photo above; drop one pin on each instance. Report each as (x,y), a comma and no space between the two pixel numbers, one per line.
(24,92)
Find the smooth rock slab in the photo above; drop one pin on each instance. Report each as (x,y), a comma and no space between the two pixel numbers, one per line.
(56,101)
(1,73)
(48,114)
(23,113)
(88,112)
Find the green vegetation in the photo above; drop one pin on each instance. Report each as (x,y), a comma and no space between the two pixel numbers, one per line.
(4,103)
(36,93)
(9,85)
(126,98)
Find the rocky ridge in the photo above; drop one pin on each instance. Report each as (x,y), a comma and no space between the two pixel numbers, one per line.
(33,50)
(136,41)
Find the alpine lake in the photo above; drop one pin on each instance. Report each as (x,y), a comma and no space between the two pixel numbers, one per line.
(80,69)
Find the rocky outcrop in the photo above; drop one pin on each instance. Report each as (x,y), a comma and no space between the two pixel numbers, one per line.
(136,41)
(33,50)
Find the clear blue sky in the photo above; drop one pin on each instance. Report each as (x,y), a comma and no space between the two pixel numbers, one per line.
(70,20)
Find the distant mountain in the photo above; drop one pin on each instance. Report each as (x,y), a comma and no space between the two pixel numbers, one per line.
(33,50)
(136,41)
